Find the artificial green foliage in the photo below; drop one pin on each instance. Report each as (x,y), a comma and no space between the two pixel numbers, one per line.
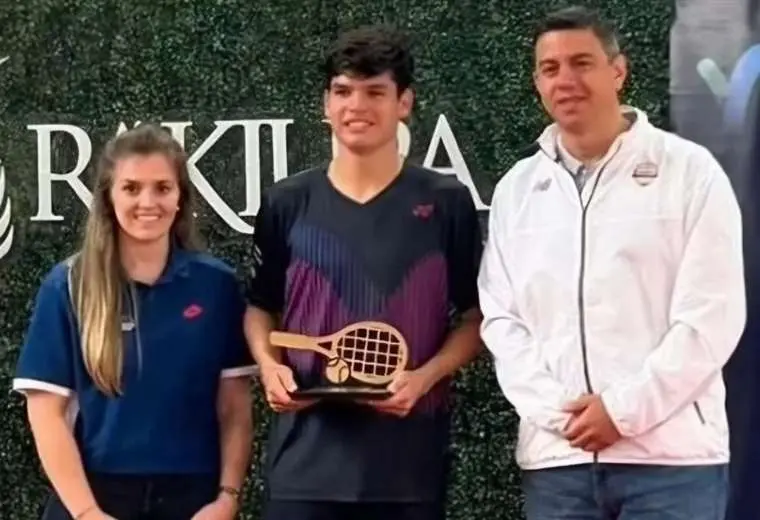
(96,63)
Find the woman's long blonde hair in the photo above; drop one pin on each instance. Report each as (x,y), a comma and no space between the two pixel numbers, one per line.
(98,282)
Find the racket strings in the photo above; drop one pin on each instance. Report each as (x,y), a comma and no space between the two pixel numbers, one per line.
(371,352)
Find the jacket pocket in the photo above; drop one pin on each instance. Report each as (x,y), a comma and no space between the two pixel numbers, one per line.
(699,413)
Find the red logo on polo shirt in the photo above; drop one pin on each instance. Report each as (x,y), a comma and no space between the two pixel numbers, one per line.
(192,312)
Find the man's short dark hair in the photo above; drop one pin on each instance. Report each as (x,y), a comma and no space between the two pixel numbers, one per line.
(579,17)
(370,51)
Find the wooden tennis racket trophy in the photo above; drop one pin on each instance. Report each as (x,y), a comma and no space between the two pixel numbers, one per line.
(362,358)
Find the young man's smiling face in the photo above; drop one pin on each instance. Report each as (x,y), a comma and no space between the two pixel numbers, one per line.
(364,112)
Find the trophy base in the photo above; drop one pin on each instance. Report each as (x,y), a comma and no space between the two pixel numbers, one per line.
(342,393)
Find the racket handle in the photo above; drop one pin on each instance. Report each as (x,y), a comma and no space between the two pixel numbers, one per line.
(296,341)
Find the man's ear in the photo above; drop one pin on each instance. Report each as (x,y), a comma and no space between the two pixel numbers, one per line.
(406,102)
(620,66)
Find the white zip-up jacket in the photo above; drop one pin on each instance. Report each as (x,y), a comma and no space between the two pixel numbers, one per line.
(632,289)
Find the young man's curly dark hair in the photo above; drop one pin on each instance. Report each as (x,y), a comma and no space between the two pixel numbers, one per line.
(370,51)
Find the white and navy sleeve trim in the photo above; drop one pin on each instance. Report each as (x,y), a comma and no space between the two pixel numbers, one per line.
(47,356)
(23,386)
(246,371)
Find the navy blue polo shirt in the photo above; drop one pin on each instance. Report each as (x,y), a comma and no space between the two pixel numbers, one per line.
(186,334)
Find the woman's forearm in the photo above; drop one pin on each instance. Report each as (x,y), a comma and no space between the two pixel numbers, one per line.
(236,450)
(236,431)
(60,456)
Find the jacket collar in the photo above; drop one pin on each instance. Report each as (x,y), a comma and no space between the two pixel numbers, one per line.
(632,139)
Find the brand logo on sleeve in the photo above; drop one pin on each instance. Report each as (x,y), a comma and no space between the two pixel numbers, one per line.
(543,185)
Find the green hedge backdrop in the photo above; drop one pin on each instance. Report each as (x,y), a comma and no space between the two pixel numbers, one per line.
(94,64)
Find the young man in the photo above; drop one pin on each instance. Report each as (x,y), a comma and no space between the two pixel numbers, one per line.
(365,238)
(612,292)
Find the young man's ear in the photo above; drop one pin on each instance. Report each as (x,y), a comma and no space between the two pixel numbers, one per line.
(406,102)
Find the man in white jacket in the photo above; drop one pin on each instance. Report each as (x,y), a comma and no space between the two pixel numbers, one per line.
(612,291)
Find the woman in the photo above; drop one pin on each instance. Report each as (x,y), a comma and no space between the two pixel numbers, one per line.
(135,366)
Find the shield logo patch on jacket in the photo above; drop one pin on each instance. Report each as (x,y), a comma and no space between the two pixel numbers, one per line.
(645,173)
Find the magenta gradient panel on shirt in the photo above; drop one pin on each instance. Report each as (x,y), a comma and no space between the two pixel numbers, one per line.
(332,289)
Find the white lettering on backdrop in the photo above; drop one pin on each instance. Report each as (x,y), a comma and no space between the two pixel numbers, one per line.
(47,175)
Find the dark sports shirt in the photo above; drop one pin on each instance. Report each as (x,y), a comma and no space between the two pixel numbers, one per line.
(409,258)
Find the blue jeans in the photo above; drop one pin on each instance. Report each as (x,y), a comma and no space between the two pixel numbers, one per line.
(626,492)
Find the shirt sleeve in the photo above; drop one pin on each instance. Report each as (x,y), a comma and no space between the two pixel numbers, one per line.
(47,356)
(238,361)
(465,250)
(265,282)
(521,372)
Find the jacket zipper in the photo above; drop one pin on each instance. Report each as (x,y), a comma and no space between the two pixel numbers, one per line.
(581,279)
(581,276)
(582,270)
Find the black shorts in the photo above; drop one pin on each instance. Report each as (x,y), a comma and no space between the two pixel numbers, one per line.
(305,510)
(138,497)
